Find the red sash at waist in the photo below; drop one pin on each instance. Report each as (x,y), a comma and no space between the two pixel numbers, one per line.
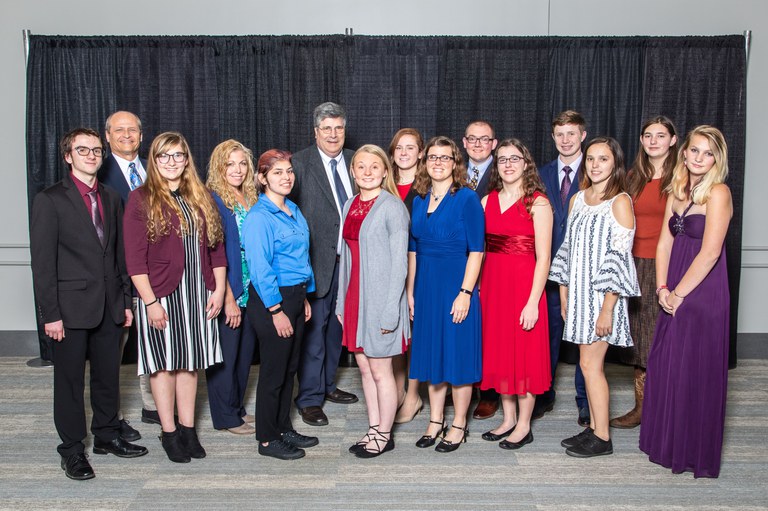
(519,244)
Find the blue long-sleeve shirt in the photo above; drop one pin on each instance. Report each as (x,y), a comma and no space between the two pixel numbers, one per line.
(276,249)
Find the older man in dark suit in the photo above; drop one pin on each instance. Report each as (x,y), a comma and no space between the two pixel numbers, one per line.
(84,300)
(323,184)
(561,179)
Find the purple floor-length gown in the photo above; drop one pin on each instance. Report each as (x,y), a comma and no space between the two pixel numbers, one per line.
(684,408)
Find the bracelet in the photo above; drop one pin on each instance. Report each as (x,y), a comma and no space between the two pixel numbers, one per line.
(465,291)
(658,289)
(277,311)
(152,302)
(677,295)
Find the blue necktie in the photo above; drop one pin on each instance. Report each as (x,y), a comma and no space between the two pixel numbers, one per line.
(341,193)
(134,176)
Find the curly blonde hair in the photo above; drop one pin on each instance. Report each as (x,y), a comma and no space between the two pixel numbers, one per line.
(681,180)
(217,174)
(160,204)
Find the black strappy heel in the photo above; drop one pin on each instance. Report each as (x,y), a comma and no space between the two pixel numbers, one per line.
(428,441)
(448,446)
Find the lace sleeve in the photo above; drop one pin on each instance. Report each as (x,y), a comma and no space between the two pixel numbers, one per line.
(617,273)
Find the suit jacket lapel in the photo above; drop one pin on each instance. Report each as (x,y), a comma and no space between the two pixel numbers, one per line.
(81,214)
(318,172)
(106,207)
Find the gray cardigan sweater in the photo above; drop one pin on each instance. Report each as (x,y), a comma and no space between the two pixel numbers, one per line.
(383,269)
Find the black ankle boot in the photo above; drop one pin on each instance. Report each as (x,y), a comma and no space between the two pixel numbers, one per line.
(173,448)
(191,443)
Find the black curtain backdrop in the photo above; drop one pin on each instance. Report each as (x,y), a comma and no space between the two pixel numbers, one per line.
(261,90)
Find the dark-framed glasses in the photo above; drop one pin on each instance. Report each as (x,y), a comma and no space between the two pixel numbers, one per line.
(436,157)
(483,140)
(177,157)
(512,159)
(98,152)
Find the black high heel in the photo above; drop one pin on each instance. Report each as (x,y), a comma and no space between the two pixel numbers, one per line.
(366,438)
(448,446)
(428,441)
(378,440)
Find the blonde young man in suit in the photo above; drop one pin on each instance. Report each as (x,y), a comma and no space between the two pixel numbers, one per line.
(84,300)
(323,184)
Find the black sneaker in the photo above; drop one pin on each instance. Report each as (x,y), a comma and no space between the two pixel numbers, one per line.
(298,440)
(576,439)
(127,432)
(591,446)
(281,450)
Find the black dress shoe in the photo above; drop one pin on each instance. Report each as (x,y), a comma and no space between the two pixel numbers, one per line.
(576,439)
(493,437)
(118,447)
(428,441)
(190,442)
(76,467)
(314,416)
(448,446)
(584,418)
(152,417)
(591,446)
(299,440)
(281,450)
(128,433)
(542,407)
(341,397)
(527,439)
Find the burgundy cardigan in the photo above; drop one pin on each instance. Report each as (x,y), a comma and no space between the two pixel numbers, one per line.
(163,260)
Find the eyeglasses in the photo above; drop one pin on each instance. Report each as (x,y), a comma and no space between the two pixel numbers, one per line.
(512,159)
(483,140)
(327,130)
(177,157)
(444,158)
(98,152)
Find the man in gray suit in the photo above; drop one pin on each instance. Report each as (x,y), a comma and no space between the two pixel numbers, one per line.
(323,184)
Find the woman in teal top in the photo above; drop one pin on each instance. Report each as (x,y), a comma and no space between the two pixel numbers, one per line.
(231,181)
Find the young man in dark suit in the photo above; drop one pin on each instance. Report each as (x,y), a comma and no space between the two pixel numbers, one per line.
(323,184)
(561,179)
(479,142)
(84,300)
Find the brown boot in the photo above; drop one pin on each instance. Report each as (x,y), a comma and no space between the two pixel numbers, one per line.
(632,418)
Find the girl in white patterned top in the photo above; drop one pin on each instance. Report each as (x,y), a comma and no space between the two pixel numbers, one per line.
(596,273)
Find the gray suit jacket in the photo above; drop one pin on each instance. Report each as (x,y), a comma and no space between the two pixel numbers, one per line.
(383,268)
(312,193)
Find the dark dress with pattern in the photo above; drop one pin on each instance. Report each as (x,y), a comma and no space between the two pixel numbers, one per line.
(685,390)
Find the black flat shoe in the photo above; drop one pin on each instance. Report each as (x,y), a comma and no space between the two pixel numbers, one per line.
(591,446)
(527,439)
(76,467)
(541,407)
(366,438)
(384,442)
(428,441)
(576,439)
(493,437)
(448,446)
(127,432)
(299,440)
(118,447)
(281,450)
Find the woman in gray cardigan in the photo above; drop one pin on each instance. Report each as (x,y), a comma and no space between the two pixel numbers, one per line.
(372,305)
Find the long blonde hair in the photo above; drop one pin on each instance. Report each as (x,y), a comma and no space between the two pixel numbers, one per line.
(160,204)
(680,187)
(217,174)
(388,183)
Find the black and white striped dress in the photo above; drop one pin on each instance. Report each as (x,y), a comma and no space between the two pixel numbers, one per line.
(189,341)
(594,259)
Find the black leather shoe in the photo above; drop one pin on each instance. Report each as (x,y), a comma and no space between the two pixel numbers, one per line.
(485,409)
(366,438)
(384,442)
(128,433)
(281,450)
(299,440)
(576,439)
(118,447)
(150,416)
(448,446)
(190,442)
(341,397)
(314,416)
(173,447)
(591,446)
(428,441)
(493,437)
(542,407)
(527,439)
(584,418)
(76,467)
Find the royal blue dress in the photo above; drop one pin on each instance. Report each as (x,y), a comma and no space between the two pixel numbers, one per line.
(443,351)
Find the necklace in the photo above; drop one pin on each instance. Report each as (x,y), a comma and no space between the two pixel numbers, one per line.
(436,196)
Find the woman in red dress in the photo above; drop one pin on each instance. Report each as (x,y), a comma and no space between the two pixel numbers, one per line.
(518,238)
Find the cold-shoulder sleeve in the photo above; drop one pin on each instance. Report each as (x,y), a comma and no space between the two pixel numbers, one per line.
(617,273)
(560,269)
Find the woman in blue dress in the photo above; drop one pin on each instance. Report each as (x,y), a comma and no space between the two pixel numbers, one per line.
(445,254)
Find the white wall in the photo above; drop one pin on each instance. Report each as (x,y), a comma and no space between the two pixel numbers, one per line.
(396,17)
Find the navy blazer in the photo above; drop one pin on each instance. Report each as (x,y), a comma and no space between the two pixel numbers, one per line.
(551,181)
(231,246)
(482,186)
(111,175)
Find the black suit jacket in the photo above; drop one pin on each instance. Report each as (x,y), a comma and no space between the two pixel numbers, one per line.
(312,193)
(73,275)
(482,186)
(111,175)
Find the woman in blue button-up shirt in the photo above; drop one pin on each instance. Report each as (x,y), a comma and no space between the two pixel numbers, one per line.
(276,242)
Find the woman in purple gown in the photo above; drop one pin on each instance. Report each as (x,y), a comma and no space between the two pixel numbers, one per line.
(684,410)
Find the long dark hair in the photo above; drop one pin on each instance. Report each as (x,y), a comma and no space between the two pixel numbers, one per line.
(642,170)
(617,183)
